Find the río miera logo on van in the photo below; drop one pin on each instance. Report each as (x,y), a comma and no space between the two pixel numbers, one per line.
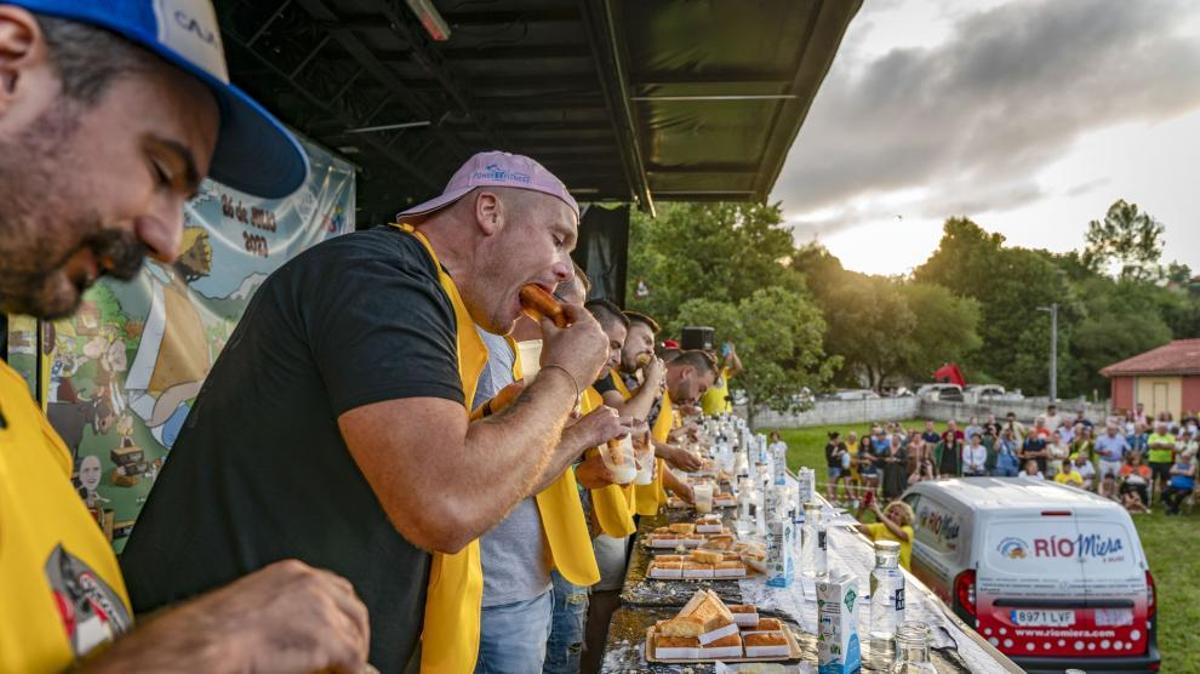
(1090,546)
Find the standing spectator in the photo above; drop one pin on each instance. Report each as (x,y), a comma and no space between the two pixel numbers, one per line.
(1081,418)
(849,478)
(1006,455)
(992,426)
(1018,428)
(973,428)
(1087,471)
(1139,414)
(1135,479)
(1066,434)
(924,471)
(1139,438)
(1040,430)
(1111,448)
(1162,453)
(949,461)
(895,463)
(1129,422)
(1053,421)
(930,436)
(1181,483)
(835,449)
(1083,442)
(867,469)
(974,457)
(1031,471)
(1056,452)
(1034,449)
(918,451)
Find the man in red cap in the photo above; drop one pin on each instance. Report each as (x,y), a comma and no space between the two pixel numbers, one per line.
(110,115)
(334,426)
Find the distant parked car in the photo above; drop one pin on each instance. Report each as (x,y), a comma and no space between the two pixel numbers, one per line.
(944,392)
(992,392)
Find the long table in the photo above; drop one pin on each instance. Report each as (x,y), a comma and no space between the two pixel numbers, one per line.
(956,647)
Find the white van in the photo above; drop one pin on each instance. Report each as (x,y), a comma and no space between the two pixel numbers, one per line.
(1052,576)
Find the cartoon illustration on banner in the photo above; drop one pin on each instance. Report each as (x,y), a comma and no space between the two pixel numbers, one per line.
(118,378)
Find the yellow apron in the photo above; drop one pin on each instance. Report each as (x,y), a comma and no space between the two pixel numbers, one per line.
(611,503)
(629,489)
(650,497)
(450,640)
(563,520)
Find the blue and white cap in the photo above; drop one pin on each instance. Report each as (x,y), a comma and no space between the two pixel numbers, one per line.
(255,153)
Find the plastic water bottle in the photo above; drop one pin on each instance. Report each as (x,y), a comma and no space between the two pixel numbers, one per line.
(808,542)
(821,558)
(887,600)
(746,509)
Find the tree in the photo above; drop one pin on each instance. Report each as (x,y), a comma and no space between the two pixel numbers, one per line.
(869,327)
(1128,238)
(1122,319)
(778,333)
(885,327)
(1009,284)
(946,328)
(717,251)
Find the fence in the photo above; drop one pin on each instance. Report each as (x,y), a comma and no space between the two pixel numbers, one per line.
(826,412)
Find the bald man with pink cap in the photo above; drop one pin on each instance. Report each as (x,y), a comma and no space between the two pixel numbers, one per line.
(334,428)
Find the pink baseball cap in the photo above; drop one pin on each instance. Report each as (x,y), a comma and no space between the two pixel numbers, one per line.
(494,169)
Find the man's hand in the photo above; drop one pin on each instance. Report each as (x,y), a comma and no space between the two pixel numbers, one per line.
(596,428)
(581,349)
(680,458)
(287,617)
(592,473)
(654,373)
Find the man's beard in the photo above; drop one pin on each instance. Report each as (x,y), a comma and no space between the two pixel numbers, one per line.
(36,228)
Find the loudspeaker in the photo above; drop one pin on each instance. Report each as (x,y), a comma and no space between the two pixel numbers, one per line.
(697,337)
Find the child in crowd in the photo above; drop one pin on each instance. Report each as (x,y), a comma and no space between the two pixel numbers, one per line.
(1031,471)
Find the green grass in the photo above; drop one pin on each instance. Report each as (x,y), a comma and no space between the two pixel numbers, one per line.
(1169,543)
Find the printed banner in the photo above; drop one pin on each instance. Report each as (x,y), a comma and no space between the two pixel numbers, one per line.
(119,377)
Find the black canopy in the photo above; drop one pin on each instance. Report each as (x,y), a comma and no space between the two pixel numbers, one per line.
(627,100)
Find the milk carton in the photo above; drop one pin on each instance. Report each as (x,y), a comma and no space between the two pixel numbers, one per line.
(781,553)
(838,649)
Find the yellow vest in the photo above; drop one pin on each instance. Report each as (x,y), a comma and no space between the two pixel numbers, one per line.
(450,640)
(61,592)
(653,496)
(564,522)
(611,503)
(715,400)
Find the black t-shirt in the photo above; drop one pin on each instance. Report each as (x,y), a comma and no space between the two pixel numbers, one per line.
(833,453)
(605,383)
(260,471)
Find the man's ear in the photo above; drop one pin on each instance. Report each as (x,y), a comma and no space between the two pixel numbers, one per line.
(22,46)
(489,212)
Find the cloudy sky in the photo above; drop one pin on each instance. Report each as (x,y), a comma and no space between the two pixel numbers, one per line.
(1029,116)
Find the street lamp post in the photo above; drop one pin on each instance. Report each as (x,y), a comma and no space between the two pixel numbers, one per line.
(1053,311)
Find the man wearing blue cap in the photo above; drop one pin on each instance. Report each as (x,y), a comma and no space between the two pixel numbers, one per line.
(110,115)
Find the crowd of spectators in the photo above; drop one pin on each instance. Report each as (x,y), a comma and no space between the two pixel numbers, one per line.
(1132,458)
